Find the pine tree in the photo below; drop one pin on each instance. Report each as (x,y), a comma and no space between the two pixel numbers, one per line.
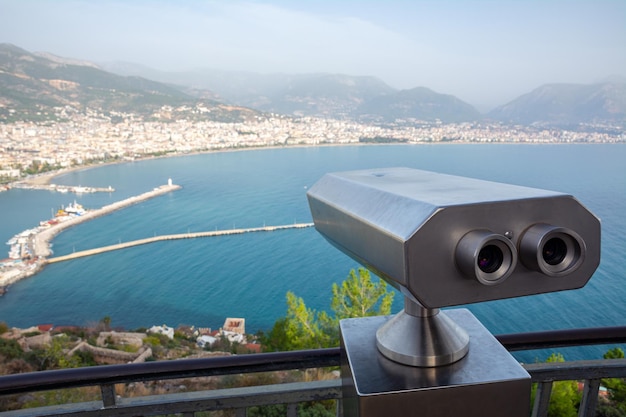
(305,328)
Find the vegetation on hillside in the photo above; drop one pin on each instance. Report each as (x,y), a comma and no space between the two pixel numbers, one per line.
(36,88)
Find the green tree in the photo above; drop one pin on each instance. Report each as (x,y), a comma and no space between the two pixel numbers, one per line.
(305,328)
(10,349)
(615,353)
(359,296)
(301,328)
(54,356)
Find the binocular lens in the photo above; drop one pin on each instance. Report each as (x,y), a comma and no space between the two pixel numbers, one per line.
(490,259)
(554,251)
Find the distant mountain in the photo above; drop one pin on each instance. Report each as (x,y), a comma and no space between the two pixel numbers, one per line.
(419,104)
(370,99)
(31,85)
(322,95)
(567,104)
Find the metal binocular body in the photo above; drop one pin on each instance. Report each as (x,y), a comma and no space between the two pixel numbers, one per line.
(445,240)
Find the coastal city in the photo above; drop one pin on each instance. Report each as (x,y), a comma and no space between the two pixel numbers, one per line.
(84,138)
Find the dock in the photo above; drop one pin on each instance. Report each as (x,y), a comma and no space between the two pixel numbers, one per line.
(38,239)
(41,246)
(138,242)
(76,189)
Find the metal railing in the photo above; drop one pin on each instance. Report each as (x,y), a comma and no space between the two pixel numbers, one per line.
(290,394)
(589,372)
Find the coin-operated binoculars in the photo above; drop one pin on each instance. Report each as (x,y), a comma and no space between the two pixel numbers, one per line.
(442,241)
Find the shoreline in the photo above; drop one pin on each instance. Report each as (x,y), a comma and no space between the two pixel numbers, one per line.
(47,177)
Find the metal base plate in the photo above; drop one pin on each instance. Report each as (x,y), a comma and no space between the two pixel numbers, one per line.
(487,382)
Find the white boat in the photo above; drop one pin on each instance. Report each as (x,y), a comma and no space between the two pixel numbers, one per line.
(75,209)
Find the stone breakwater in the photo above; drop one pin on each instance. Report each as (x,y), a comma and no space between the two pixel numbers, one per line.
(138,242)
(42,240)
(15,270)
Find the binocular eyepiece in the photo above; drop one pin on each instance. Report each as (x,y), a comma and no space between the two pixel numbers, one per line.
(553,251)
(486,256)
(491,258)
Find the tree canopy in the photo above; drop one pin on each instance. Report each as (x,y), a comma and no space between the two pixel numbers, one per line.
(304,328)
(359,296)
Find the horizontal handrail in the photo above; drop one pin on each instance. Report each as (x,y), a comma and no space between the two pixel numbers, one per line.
(183,368)
(563,338)
(577,370)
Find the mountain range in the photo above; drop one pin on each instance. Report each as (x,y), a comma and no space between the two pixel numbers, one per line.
(32,83)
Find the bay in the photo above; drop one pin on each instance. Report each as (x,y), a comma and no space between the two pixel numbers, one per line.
(203,281)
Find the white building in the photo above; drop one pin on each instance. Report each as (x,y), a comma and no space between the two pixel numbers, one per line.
(167,331)
(205,340)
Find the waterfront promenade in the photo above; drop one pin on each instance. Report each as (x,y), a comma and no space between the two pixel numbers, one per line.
(124,245)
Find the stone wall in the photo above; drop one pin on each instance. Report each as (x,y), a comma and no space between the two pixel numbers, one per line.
(112,356)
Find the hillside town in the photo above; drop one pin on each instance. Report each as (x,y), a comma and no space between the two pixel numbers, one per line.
(84,138)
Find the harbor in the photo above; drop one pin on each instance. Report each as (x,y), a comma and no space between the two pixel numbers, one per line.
(63,188)
(30,248)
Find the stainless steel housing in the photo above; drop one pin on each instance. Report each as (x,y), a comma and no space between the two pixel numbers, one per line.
(423,232)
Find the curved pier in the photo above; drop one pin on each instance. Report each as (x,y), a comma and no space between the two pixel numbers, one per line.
(124,245)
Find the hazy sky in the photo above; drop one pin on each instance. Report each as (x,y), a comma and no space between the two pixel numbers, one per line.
(484,52)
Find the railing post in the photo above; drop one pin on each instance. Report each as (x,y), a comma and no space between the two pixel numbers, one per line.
(590,398)
(542,399)
(108,395)
(292,410)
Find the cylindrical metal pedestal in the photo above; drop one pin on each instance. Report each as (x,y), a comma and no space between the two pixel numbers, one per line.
(418,336)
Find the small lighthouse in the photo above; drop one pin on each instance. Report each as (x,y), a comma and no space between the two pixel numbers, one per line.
(169,182)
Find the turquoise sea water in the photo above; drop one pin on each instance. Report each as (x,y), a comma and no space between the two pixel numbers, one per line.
(202,281)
